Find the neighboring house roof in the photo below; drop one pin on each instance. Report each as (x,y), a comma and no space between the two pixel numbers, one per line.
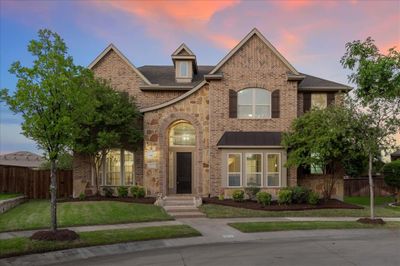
(165,75)
(395,155)
(255,31)
(22,158)
(250,139)
(310,83)
(120,54)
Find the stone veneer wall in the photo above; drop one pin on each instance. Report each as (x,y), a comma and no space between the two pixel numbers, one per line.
(194,109)
(253,65)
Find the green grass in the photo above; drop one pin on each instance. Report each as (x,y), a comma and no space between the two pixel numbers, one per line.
(36,214)
(219,211)
(364,201)
(4,196)
(286,226)
(23,245)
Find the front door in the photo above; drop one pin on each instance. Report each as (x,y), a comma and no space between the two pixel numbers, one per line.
(183,172)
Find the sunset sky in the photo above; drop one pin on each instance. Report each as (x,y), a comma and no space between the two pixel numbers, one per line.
(310,34)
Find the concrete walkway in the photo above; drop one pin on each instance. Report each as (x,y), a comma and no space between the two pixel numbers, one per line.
(213,231)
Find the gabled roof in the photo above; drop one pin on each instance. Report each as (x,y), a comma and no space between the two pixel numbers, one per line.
(255,31)
(183,46)
(115,49)
(310,83)
(22,159)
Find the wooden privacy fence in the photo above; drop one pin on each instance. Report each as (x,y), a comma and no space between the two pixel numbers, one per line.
(360,187)
(35,184)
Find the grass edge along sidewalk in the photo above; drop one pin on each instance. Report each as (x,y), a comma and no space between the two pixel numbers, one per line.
(256,227)
(23,245)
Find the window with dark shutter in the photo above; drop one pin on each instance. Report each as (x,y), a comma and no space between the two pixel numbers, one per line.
(275,104)
(232,104)
(306,102)
(331,98)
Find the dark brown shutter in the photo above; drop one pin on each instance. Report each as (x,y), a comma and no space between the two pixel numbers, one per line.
(306,102)
(232,104)
(275,108)
(330,98)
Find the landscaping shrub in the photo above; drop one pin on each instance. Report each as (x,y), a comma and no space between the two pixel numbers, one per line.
(391,172)
(138,192)
(238,195)
(82,196)
(221,197)
(252,191)
(264,198)
(122,192)
(313,198)
(108,192)
(285,196)
(300,194)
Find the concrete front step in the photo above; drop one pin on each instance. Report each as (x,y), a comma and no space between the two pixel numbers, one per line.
(179,198)
(180,208)
(191,214)
(179,202)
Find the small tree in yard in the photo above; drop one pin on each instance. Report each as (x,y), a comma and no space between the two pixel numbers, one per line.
(51,95)
(391,172)
(320,137)
(376,103)
(114,123)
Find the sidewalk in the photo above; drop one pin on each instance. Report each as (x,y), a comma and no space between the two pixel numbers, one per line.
(204,225)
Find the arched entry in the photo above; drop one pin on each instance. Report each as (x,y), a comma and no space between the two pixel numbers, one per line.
(181,152)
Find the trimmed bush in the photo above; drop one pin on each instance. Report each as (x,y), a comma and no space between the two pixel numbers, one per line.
(264,198)
(313,198)
(221,197)
(138,192)
(252,191)
(82,196)
(285,196)
(238,195)
(391,173)
(300,194)
(108,192)
(122,192)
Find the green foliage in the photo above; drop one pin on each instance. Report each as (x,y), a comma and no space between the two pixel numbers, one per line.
(251,191)
(238,195)
(64,162)
(285,196)
(313,198)
(300,194)
(108,192)
(122,192)
(82,196)
(221,197)
(377,75)
(391,173)
(264,198)
(138,192)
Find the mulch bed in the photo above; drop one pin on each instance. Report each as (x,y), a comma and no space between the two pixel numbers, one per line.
(147,200)
(58,235)
(371,221)
(253,205)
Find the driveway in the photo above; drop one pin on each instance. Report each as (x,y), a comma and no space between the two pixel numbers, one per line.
(339,247)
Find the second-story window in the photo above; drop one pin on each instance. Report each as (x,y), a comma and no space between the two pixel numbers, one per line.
(254,103)
(183,70)
(319,100)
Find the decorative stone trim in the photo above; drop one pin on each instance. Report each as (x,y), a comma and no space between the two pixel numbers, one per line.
(7,204)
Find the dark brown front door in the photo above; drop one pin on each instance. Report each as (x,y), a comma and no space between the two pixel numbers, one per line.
(183,172)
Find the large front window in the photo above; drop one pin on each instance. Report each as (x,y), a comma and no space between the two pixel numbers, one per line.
(118,168)
(253,169)
(234,169)
(182,134)
(254,103)
(273,170)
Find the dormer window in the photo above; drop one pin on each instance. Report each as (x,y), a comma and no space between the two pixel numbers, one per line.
(183,69)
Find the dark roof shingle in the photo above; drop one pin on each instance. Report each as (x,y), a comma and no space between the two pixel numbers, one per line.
(250,138)
(310,82)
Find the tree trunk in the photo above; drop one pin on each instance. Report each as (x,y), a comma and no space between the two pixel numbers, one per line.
(371,187)
(53,194)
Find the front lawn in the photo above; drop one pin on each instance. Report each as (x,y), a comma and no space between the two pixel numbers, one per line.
(364,200)
(36,214)
(219,211)
(23,245)
(4,195)
(254,227)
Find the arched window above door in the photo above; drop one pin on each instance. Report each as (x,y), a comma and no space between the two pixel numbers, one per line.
(182,133)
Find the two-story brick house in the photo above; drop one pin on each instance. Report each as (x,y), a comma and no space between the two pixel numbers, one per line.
(209,129)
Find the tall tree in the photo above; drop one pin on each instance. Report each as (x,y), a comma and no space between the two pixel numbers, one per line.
(114,123)
(377,79)
(52,97)
(320,137)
